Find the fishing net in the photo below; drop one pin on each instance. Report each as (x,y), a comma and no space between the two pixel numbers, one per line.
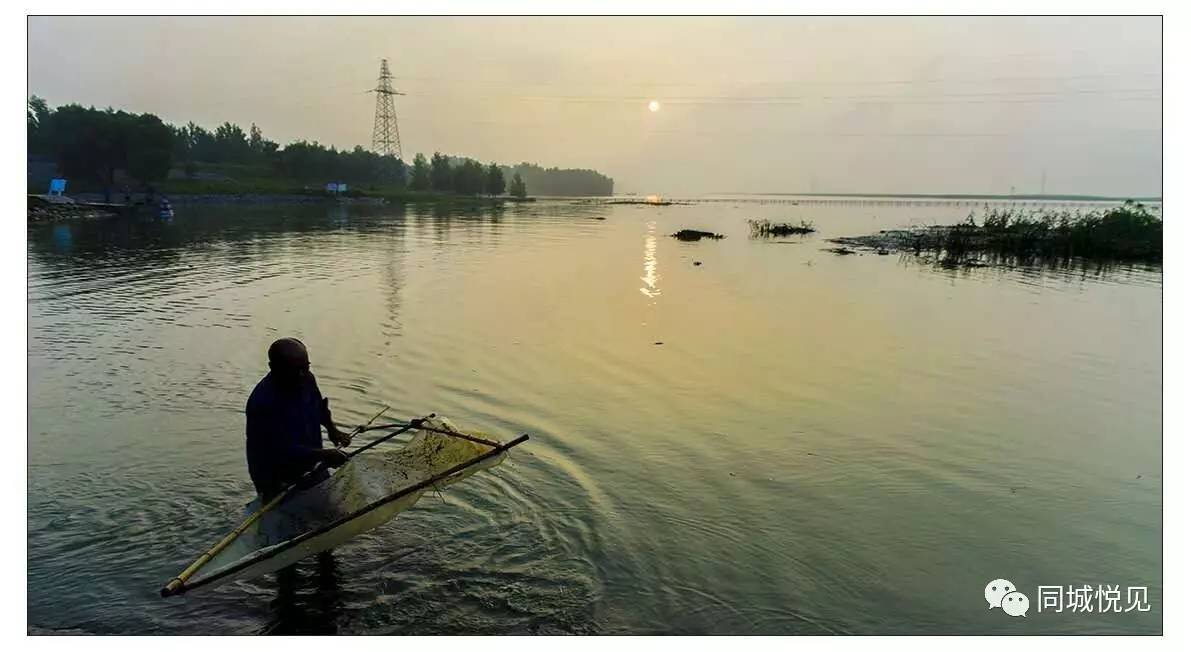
(283,535)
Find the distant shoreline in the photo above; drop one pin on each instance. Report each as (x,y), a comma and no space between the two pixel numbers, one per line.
(90,205)
(942,196)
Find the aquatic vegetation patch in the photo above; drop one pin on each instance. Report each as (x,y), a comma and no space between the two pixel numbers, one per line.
(1130,232)
(765,228)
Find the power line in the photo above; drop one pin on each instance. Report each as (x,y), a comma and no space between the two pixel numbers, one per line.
(1009,97)
(803,133)
(588,83)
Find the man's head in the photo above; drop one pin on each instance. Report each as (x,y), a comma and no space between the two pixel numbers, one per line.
(288,361)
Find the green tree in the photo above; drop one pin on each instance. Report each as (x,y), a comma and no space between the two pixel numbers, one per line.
(181,146)
(468,177)
(88,144)
(301,160)
(309,162)
(261,148)
(421,174)
(572,182)
(255,139)
(150,147)
(91,145)
(517,187)
(495,182)
(440,173)
(202,144)
(231,144)
(399,171)
(37,125)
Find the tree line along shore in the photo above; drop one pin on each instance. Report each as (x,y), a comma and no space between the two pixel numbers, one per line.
(118,153)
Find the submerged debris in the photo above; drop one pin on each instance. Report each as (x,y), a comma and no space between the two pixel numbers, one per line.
(841,251)
(691,235)
(765,228)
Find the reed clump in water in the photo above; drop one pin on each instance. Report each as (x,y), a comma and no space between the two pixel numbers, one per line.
(765,228)
(1130,232)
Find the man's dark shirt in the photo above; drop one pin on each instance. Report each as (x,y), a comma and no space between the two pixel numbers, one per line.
(283,432)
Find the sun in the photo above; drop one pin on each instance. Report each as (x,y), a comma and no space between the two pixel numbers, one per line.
(654,105)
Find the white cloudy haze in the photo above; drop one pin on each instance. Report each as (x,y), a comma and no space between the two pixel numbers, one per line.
(746,104)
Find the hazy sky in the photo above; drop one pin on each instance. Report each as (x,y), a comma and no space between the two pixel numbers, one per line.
(747,104)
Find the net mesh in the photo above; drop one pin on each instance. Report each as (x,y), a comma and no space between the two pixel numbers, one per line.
(374,475)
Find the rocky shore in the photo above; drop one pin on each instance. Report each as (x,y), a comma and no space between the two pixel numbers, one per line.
(41,209)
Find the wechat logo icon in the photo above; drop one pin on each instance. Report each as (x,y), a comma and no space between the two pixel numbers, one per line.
(1004,595)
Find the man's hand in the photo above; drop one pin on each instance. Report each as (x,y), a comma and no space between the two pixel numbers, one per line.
(332,457)
(338,438)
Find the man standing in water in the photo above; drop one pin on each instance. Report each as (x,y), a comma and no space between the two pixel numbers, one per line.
(284,414)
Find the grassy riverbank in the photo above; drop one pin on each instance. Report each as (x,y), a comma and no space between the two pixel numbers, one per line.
(1130,232)
(247,184)
(277,191)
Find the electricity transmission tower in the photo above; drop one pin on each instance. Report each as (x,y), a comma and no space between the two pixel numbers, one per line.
(386,141)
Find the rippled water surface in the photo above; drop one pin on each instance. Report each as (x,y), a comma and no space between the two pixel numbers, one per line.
(777,440)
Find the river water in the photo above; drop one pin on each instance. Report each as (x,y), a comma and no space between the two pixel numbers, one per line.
(777,440)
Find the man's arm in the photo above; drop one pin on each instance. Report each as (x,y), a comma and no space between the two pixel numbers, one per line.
(333,433)
(336,436)
(268,444)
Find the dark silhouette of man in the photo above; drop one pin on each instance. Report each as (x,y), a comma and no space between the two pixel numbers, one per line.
(284,413)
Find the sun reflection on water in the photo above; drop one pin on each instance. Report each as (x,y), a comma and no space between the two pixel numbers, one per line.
(651,277)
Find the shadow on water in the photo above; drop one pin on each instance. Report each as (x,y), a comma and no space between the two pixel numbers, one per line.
(153,240)
(309,598)
(1033,269)
(200,224)
(233,239)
